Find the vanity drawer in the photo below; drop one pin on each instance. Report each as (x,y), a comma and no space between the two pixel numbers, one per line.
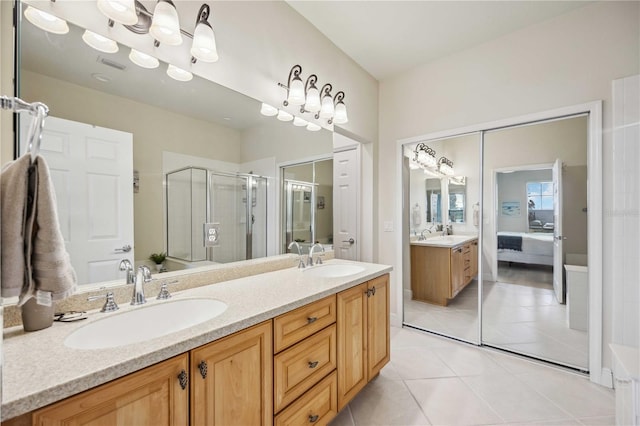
(294,326)
(300,367)
(318,406)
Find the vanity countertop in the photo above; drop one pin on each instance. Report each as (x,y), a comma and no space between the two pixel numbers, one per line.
(447,241)
(38,369)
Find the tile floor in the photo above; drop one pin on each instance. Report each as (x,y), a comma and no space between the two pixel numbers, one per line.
(432,380)
(520,314)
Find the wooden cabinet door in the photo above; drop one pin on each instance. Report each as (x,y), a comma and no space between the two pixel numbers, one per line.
(457,271)
(474,258)
(232,379)
(352,342)
(378,348)
(153,396)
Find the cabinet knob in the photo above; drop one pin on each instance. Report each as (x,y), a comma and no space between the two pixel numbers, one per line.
(203,369)
(373,290)
(313,364)
(183,379)
(313,418)
(311,320)
(368,292)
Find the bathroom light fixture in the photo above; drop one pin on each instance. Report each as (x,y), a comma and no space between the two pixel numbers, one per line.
(204,41)
(121,11)
(299,122)
(178,73)
(327,109)
(98,42)
(445,166)
(312,95)
(143,60)
(313,127)
(295,87)
(284,116)
(340,114)
(165,25)
(424,155)
(46,21)
(268,110)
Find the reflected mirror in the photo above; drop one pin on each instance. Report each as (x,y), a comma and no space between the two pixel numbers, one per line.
(166,126)
(457,195)
(434,200)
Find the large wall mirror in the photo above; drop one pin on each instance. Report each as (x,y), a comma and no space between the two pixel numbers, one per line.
(163,128)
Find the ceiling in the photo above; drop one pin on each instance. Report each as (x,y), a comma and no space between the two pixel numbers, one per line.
(389,37)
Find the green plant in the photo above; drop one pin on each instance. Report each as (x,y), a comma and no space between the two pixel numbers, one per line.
(158,258)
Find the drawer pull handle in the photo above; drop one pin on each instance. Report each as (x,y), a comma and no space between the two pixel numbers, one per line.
(203,369)
(184,379)
(373,290)
(311,320)
(313,364)
(313,418)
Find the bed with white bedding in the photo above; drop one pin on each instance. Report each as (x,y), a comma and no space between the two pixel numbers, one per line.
(523,247)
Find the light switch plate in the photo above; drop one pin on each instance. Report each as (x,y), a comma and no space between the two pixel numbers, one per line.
(388,226)
(211,234)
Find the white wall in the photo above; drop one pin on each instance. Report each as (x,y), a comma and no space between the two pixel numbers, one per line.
(568,60)
(513,187)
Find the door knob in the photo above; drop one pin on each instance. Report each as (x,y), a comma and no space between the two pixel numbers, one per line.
(350,241)
(123,249)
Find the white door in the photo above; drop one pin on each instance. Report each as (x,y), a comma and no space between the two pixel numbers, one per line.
(345,204)
(558,259)
(92,172)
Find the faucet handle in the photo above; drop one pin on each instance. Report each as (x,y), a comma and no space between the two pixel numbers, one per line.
(110,304)
(146,273)
(164,290)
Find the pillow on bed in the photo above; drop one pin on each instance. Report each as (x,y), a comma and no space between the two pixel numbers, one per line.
(536,223)
(548,225)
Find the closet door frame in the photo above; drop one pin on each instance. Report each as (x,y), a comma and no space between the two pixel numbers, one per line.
(597,373)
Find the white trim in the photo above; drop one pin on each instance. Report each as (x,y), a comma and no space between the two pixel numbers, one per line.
(594,166)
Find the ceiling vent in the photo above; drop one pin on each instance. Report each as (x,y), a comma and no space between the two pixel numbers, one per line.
(111,63)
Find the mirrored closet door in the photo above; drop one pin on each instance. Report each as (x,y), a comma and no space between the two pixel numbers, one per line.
(441,280)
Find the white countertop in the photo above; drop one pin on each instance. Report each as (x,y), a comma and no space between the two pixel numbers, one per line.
(448,241)
(39,370)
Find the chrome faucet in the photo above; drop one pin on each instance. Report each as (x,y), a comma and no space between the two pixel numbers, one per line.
(143,276)
(300,261)
(311,251)
(125,265)
(422,237)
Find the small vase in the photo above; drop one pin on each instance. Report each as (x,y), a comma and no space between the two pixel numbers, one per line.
(36,317)
(159,267)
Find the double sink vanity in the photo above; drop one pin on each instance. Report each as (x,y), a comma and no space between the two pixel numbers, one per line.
(291,346)
(442,266)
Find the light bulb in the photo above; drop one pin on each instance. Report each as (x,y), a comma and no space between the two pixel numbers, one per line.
(313,127)
(327,109)
(46,21)
(299,122)
(340,114)
(121,11)
(98,42)
(178,73)
(296,92)
(268,110)
(203,47)
(313,100)
(165,26)
(143,60)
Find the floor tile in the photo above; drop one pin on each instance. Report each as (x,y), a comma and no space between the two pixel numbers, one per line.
(468,361)
(418,363)
(450,402)
(386,402)
(343,418)
(513,400)
(598,421)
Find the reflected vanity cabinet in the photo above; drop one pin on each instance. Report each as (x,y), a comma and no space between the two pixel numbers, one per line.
(438,274)
(301,367)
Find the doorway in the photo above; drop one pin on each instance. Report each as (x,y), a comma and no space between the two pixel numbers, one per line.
(533,280)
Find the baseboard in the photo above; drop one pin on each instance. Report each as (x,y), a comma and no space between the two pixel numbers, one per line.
(606,378)
(396,320)
(408,293)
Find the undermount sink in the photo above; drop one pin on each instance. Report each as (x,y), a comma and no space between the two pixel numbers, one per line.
(333,270)
(144,323)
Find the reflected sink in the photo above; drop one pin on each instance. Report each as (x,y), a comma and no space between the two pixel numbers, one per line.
(144,323)
(449,238)
(333,270)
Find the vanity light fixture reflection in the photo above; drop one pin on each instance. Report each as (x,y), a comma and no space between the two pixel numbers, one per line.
(284,116)
(99,42)
(425,156)
(445,166)
(178,73)
(203,47)
(268,110)
(143,60)
(313,127)
(121,11)
(299,122)
(165,25)
(46,21)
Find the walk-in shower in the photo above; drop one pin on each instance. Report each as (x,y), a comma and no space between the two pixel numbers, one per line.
(234,203)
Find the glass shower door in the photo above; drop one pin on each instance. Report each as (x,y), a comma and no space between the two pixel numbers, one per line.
(227,208)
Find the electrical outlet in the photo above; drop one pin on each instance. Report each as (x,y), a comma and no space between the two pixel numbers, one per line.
(211,234)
